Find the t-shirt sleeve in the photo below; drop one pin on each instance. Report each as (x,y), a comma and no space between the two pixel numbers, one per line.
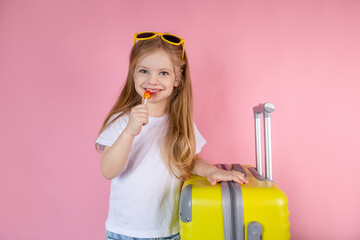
(199,140)
(109,135)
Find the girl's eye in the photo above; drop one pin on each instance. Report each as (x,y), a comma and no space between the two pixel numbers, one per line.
(143,71)
(164,73)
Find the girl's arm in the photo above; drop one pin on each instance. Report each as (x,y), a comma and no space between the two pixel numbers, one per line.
(114,158)
(214,174)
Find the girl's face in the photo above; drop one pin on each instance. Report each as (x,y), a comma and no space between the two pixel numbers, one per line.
(155,73)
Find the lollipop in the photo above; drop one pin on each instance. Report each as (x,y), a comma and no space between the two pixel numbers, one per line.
(147,96)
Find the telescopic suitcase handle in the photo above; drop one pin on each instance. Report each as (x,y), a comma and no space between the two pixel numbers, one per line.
(266,109)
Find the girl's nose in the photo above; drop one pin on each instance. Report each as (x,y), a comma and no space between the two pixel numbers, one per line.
(153,80)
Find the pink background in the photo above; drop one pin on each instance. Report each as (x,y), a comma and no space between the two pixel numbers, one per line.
(62,64)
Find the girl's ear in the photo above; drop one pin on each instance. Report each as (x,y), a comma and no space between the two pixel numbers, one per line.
(176,83)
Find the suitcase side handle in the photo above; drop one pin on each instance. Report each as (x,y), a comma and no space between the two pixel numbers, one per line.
(266,109)
(185,204)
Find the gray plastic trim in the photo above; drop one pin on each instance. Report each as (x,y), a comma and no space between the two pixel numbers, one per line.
(239,168)
(237,203)
(264,107)
(233,214)
(226,206)
(219,166)
(257,175)
(185,204)
(254,231)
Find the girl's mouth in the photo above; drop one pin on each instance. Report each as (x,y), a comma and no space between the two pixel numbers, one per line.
(153,91)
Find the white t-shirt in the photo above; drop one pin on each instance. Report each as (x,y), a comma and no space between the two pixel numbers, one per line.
(144,197)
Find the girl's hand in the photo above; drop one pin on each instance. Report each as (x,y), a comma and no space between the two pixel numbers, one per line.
(139,117)
(220,175)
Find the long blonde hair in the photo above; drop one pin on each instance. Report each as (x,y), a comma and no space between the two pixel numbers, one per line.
(179,143)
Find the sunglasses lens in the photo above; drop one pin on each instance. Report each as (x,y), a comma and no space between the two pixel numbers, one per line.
(145,35)
(172,38)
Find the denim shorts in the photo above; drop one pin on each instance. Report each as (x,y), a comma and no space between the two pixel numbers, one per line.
(114,236)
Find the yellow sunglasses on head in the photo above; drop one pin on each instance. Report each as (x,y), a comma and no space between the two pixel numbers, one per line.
(167,37)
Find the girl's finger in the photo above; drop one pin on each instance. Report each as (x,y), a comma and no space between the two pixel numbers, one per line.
(139,111)
(244,179)
(239,178)
(141,115)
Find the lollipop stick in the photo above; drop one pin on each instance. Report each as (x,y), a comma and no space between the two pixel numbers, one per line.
(145,100)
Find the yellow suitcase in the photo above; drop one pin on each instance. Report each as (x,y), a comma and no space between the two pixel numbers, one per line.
(230,211)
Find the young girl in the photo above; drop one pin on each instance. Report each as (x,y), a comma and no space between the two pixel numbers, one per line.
(147,149)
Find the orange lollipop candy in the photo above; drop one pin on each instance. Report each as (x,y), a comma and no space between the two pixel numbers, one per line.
(147,95)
